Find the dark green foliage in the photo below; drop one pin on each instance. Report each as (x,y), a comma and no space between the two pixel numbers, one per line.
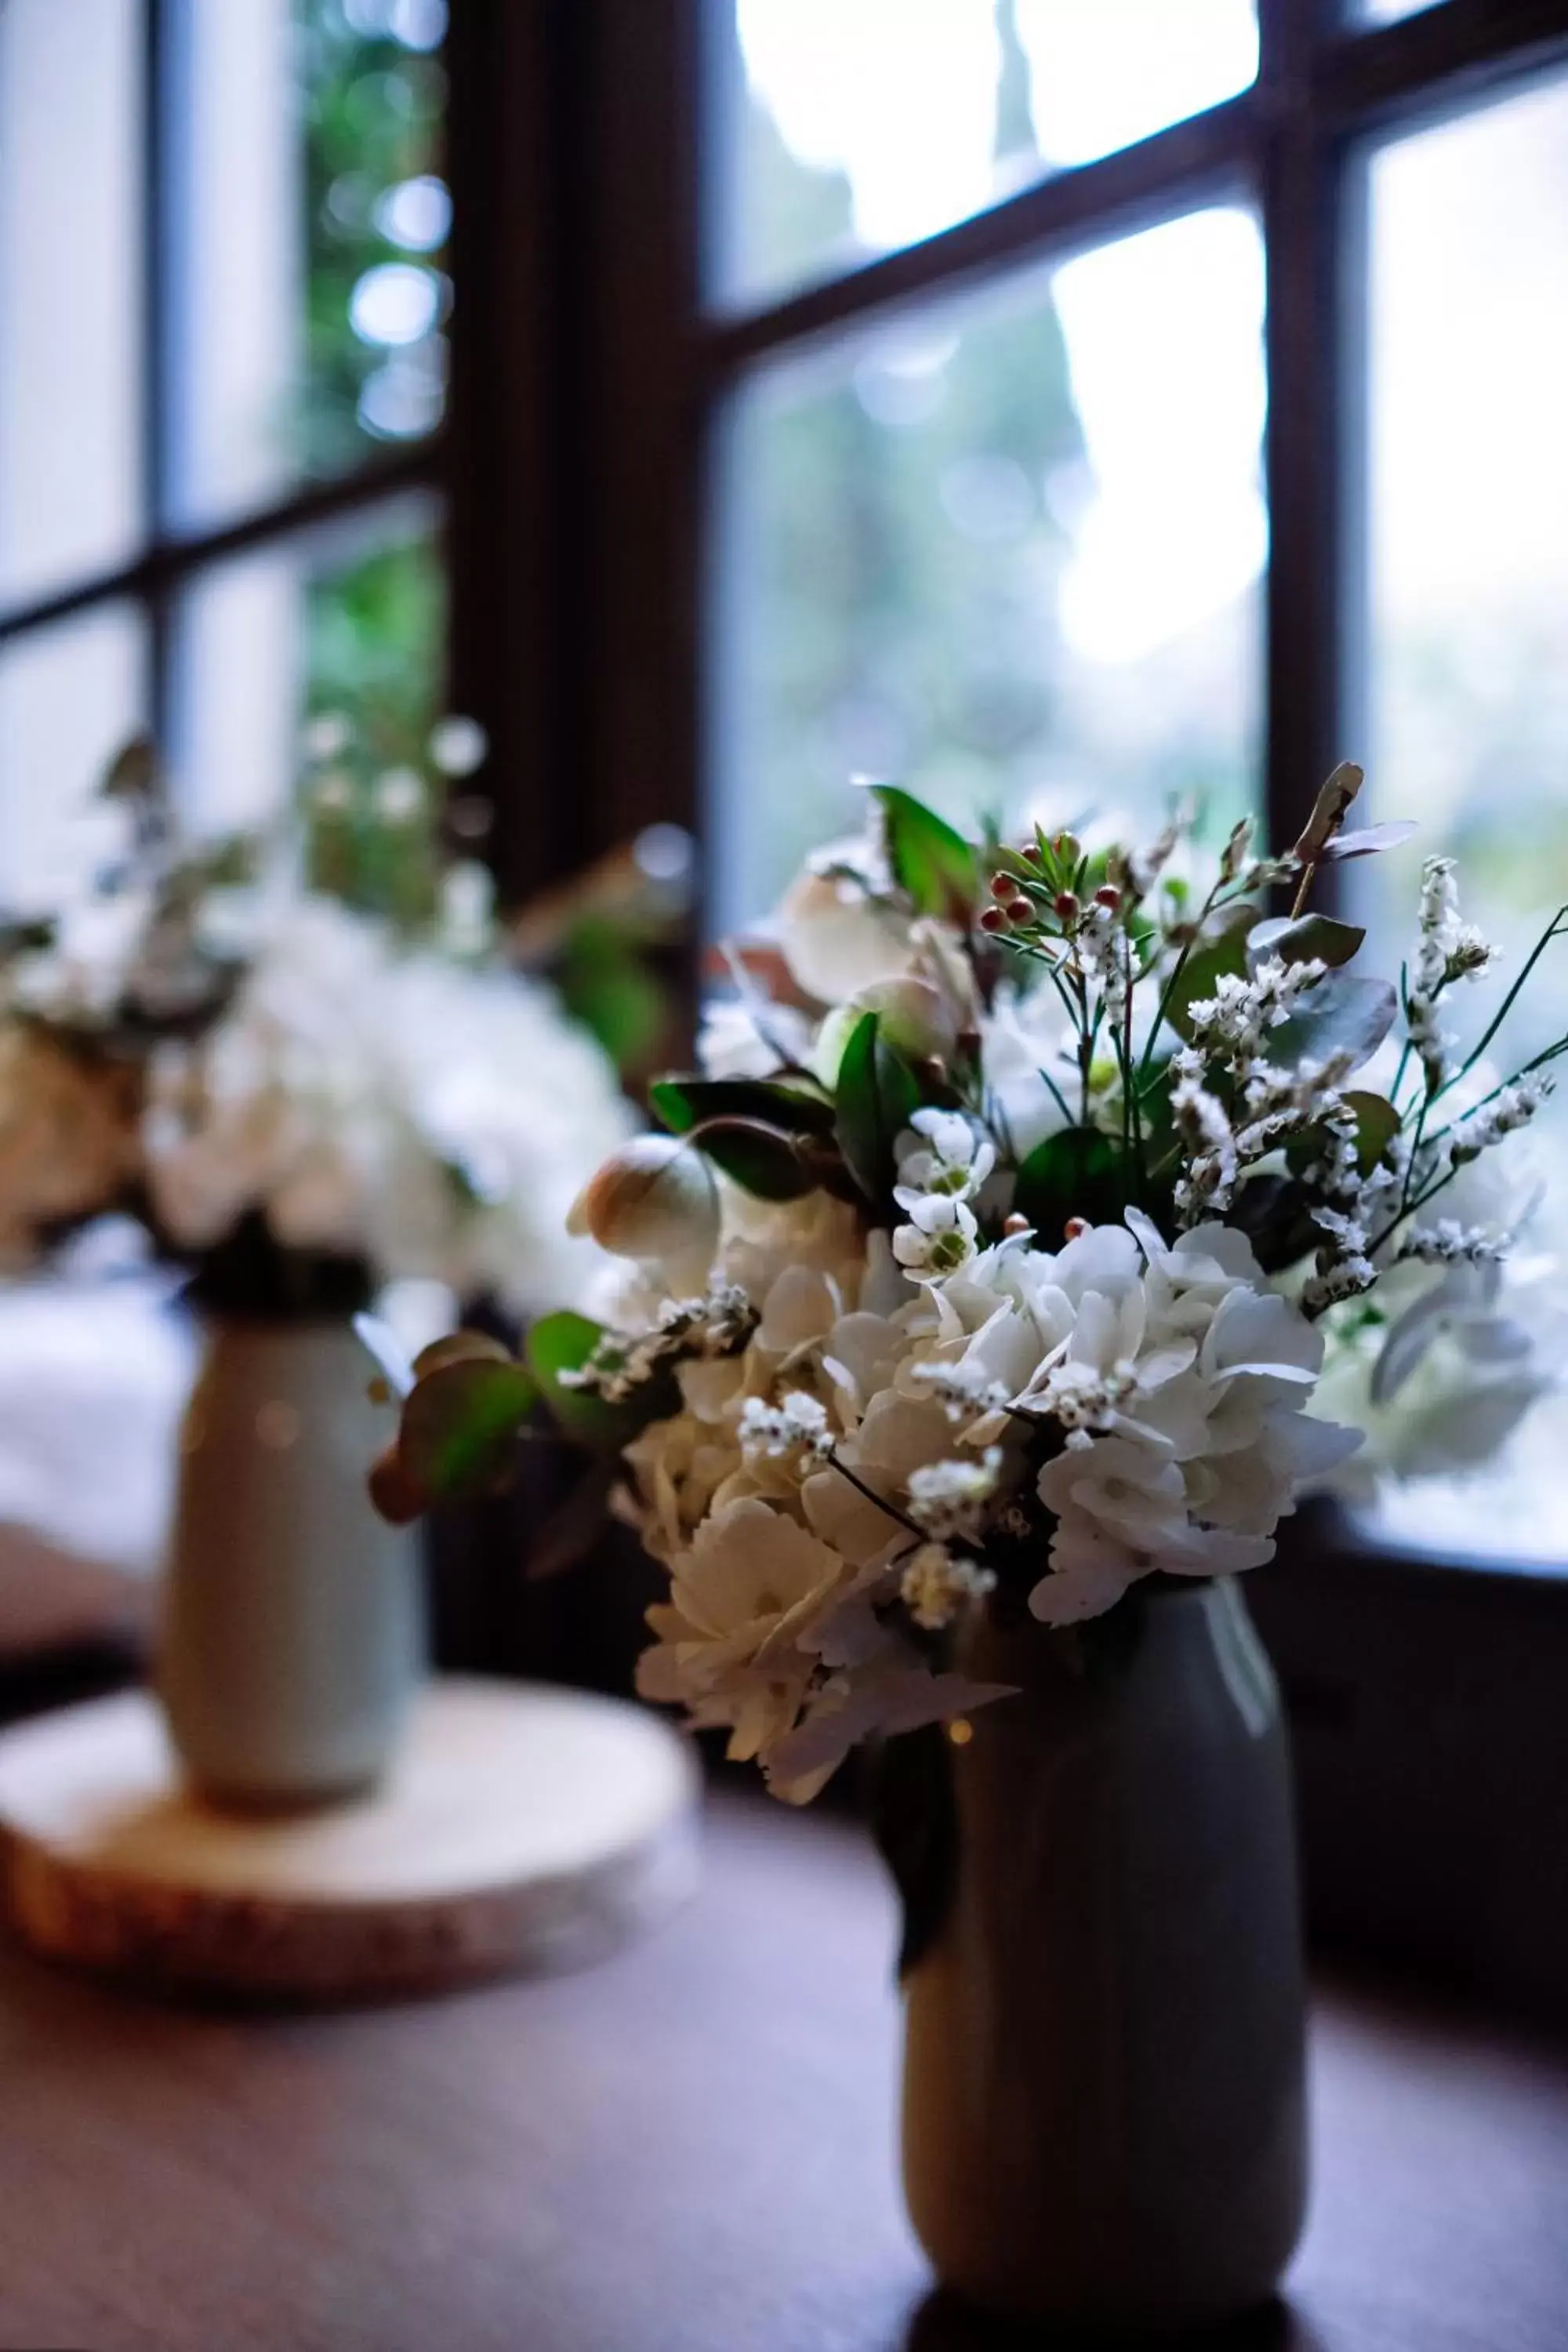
(878,1097)
(935,864)
(1077,1172)
(798,1107)
(763,1161)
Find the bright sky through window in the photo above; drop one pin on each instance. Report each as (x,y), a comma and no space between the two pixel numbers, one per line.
(901,96)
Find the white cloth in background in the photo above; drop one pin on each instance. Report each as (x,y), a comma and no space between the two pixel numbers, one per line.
(94,1374)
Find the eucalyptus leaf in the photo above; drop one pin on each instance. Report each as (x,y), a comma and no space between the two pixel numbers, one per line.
(1341,1014)
(929,860)
(1074,1173)
(134,774)
(1220,952)
(1370,839)
(1329,811)
(1377,1124)
(1304,939)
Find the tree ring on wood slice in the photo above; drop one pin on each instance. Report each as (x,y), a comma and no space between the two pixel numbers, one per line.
(523,1828)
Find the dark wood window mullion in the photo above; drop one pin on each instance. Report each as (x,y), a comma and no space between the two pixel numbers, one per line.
(1173,171)
(156,352)
(1300,193)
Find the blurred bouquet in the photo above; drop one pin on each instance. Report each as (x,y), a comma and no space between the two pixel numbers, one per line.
(303,1063)
(993,1263)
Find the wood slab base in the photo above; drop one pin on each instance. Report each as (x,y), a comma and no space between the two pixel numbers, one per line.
(524,1827)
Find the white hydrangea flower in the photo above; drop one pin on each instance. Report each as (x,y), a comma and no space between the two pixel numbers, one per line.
(435,1120)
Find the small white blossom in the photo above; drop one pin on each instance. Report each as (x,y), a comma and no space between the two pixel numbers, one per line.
(948,1499)
(1448,1243)
(935,1586)
(797,1424)
(1511,1107)
(942,1151)
(1232,1022)
(939,1239)
(964,1389)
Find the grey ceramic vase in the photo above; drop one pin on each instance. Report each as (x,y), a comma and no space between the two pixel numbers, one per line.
(1103,2097)
(293,1630)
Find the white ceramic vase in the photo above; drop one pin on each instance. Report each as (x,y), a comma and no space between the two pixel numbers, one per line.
(293,1628)
(1104,2118)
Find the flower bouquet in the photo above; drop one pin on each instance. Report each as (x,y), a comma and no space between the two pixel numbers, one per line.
(967,1349)
(298,1099)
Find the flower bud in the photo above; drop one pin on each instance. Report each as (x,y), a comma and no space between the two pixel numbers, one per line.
(1108,897)
(1069,848)
(991,918)
(1020,909)
(1065,904)
(1003,887)
(654,1199)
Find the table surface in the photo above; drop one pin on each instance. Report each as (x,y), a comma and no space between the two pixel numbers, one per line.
(690,2148)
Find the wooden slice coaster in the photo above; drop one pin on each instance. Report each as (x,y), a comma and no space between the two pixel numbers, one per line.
(523,1828)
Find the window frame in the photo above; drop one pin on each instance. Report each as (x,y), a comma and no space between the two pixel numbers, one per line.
(166,560)
(1425,1719)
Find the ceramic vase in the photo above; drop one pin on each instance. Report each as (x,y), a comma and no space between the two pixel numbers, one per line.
(292,1640)
(1103,2100)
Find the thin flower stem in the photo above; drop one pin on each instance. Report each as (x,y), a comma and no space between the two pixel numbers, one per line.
(1210,903)
(1056,1095)
(871,1496)
(1505,1008)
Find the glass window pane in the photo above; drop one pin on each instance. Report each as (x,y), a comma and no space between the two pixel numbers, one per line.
(70,697)
(850,127)
(70,295)
(1006,553)
(1468,679)
(348,619)
(310,225)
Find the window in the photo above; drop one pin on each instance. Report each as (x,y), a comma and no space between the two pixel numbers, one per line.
(968,364)
(223,313)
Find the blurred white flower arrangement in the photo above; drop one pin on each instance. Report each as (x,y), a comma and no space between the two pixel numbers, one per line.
(1036,1235)
(299,1097)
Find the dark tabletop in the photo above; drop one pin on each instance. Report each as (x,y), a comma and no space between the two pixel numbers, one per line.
(690,2149)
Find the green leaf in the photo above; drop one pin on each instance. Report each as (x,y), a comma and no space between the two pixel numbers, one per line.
(1221,951)
(460,1427)
(1341,1015)
(458,1348)
(1074,1173)
(563,1342)
(914,1820)
(763,1159)
(1377,1124)
(878,1097)
(682,1103)
(935,864)
(1306,937)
